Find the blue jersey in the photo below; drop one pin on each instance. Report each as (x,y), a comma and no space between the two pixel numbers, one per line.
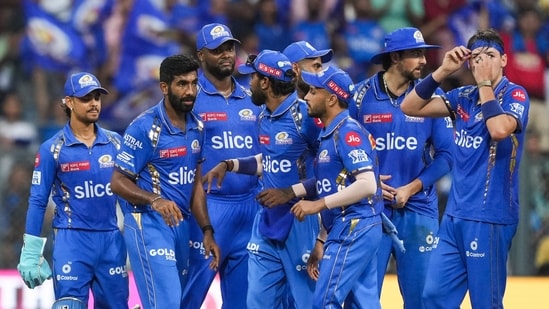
(287,138)
(346,149)
(402,139)
(493,195)
(231,130)
(160,157)
(79,180)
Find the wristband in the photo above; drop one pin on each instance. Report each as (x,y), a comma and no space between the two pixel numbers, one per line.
(247,165)
(155,199)
(427,87)
(320,241)
(491,109)
(484,83)
(229,165)
(207,228)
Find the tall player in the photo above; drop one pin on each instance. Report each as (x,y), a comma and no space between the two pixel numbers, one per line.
(230,124)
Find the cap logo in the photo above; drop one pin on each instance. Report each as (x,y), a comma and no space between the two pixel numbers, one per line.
(337,90)
(269,70)
(419,37)
(219,31)
(86,81)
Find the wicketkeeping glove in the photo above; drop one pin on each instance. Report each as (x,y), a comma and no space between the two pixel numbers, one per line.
(33,267)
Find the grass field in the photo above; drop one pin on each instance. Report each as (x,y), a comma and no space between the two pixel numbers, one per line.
(521,293)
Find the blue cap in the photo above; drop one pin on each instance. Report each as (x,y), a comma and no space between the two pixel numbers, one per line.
(269,63)
(401,39)
(213,35)
(300,50)
(80,84)
(332,79)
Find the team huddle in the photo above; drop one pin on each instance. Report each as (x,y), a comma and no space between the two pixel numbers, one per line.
(296,189)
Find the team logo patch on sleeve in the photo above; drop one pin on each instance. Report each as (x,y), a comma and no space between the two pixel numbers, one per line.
(519,95)
(517,108)
(173,152)
(358,155)
(353,139)
(36,177)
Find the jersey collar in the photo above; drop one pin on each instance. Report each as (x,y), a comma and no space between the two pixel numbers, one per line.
(209,88)
(336,122)
(284,106)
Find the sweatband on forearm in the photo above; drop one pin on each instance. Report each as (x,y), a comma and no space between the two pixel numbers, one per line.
(365,185)
(247,165)
(491,109)
(427,87)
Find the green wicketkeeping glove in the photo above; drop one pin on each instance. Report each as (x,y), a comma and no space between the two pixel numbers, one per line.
(33,267)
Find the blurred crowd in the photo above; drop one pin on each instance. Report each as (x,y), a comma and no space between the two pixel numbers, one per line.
(123,42)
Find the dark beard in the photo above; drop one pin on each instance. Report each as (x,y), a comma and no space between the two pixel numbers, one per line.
(258,98)
(177,103)
(218,73)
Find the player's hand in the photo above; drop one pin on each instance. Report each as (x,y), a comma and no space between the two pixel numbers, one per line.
(314,260)
(454,59)
(481,67)
(169,211)
(211,249)
(33,267)
(217,172)
(274,197)
(304,207)
(402,194)
(387,191)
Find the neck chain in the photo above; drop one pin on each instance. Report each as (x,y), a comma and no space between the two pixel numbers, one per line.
(227,93)
(389,93)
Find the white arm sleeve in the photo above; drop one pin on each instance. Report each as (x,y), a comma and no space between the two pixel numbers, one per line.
(365,185)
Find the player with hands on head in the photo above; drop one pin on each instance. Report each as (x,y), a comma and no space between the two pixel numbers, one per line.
(158,173)
(287,143)
(482,211)
(349,197)
(74,167)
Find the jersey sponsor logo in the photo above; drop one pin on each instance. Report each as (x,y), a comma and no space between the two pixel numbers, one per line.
(37,160)
(430,243)
(323,186)
(214,116)
(119,270)
(304,259)
(168,254)
(132,143)
(519,95)
(105,161)
(473,253)
(247,115)
(173,152)
(283,138)
(517,108)
(395,142)
(125,157)
(91,190)
(182,177)
(461,112)
(276,166)
(66,269)
(413,119)
(377,118)
(466,141)
(197,245)
(36,177)
(264,139)
(75,166)
(318,122)
(358,155)
(353,139)
(229,141)
(323,156)
(253,248)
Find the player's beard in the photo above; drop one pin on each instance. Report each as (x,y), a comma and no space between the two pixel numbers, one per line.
(316,112)
(178,104)
(258,97)
(218,72)
(86,118)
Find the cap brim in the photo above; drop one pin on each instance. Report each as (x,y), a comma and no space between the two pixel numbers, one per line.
(378,58)
(311,79)
(325,55)
(246,69)
(215,44)
(86,91)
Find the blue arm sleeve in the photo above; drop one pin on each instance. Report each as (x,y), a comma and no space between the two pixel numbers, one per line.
(443,143)
(310,188)
(247,165)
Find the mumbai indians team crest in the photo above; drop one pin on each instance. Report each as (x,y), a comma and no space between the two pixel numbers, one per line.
(283,138)
(247,115)
(323,156)
(87,80)
(105,161)
(195,146)
(219,31)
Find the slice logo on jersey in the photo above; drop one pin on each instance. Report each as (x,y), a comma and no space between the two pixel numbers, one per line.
(462,113)
(247,115)
(75,166)
(358,156)
(105,161)
(132,142)
(353,139)
(37,160)
(195,146)
(323,156)
(36,178)
(214,116)
(173,152)
(377,118)
(413,119)
(517,108)
(519,95)
(283,138)
(264,139)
